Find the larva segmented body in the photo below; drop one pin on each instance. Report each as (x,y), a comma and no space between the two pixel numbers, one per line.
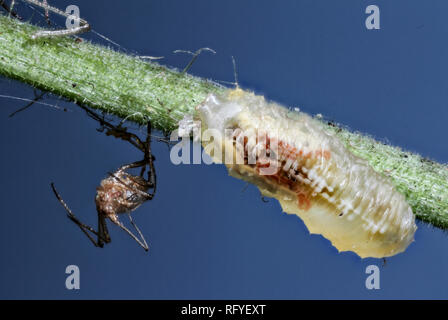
(336,193)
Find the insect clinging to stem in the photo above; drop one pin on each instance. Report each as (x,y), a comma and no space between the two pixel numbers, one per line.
(121,192)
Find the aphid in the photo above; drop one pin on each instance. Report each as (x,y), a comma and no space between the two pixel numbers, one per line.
(336,193)
(120,192)
(82,28)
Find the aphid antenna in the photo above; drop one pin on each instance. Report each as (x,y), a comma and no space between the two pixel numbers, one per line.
(82,28)
(34,101)
(84,228)
(195,56)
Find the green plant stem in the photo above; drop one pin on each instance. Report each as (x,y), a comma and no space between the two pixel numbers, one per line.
(101,78)
(131,88)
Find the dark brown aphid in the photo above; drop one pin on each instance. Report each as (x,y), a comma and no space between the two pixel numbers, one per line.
(121,192)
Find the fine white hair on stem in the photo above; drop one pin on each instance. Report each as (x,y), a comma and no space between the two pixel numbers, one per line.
(122,122)
(150,57)
(82,28)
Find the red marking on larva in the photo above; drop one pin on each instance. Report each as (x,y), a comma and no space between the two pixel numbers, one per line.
(324,154)
(304,201)
(292,152)
(282,177)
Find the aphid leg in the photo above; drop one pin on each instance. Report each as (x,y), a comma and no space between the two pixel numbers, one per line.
(195,56)
(10,9)
(84,228)
(83,24)
(138,230)
(148,160)
(133,165)
(138,164)
(115,131)
(123,134)
(142,171)
(103,232)
(36,99)
(152,177)
(143,244)
(47,13)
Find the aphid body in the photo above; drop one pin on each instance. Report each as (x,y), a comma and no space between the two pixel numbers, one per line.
(335,193)
(121,193)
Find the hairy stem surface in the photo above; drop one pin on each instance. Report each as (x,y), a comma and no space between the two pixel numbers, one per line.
(131,88)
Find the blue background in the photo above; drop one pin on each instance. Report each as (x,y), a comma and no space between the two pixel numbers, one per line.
(209,237)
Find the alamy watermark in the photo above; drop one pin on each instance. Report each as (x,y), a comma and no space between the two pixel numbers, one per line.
(373,280)
(373,20)
(72,282)
(72,21)
(234,146)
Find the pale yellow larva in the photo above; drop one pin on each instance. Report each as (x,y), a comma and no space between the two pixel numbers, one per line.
(337,194)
